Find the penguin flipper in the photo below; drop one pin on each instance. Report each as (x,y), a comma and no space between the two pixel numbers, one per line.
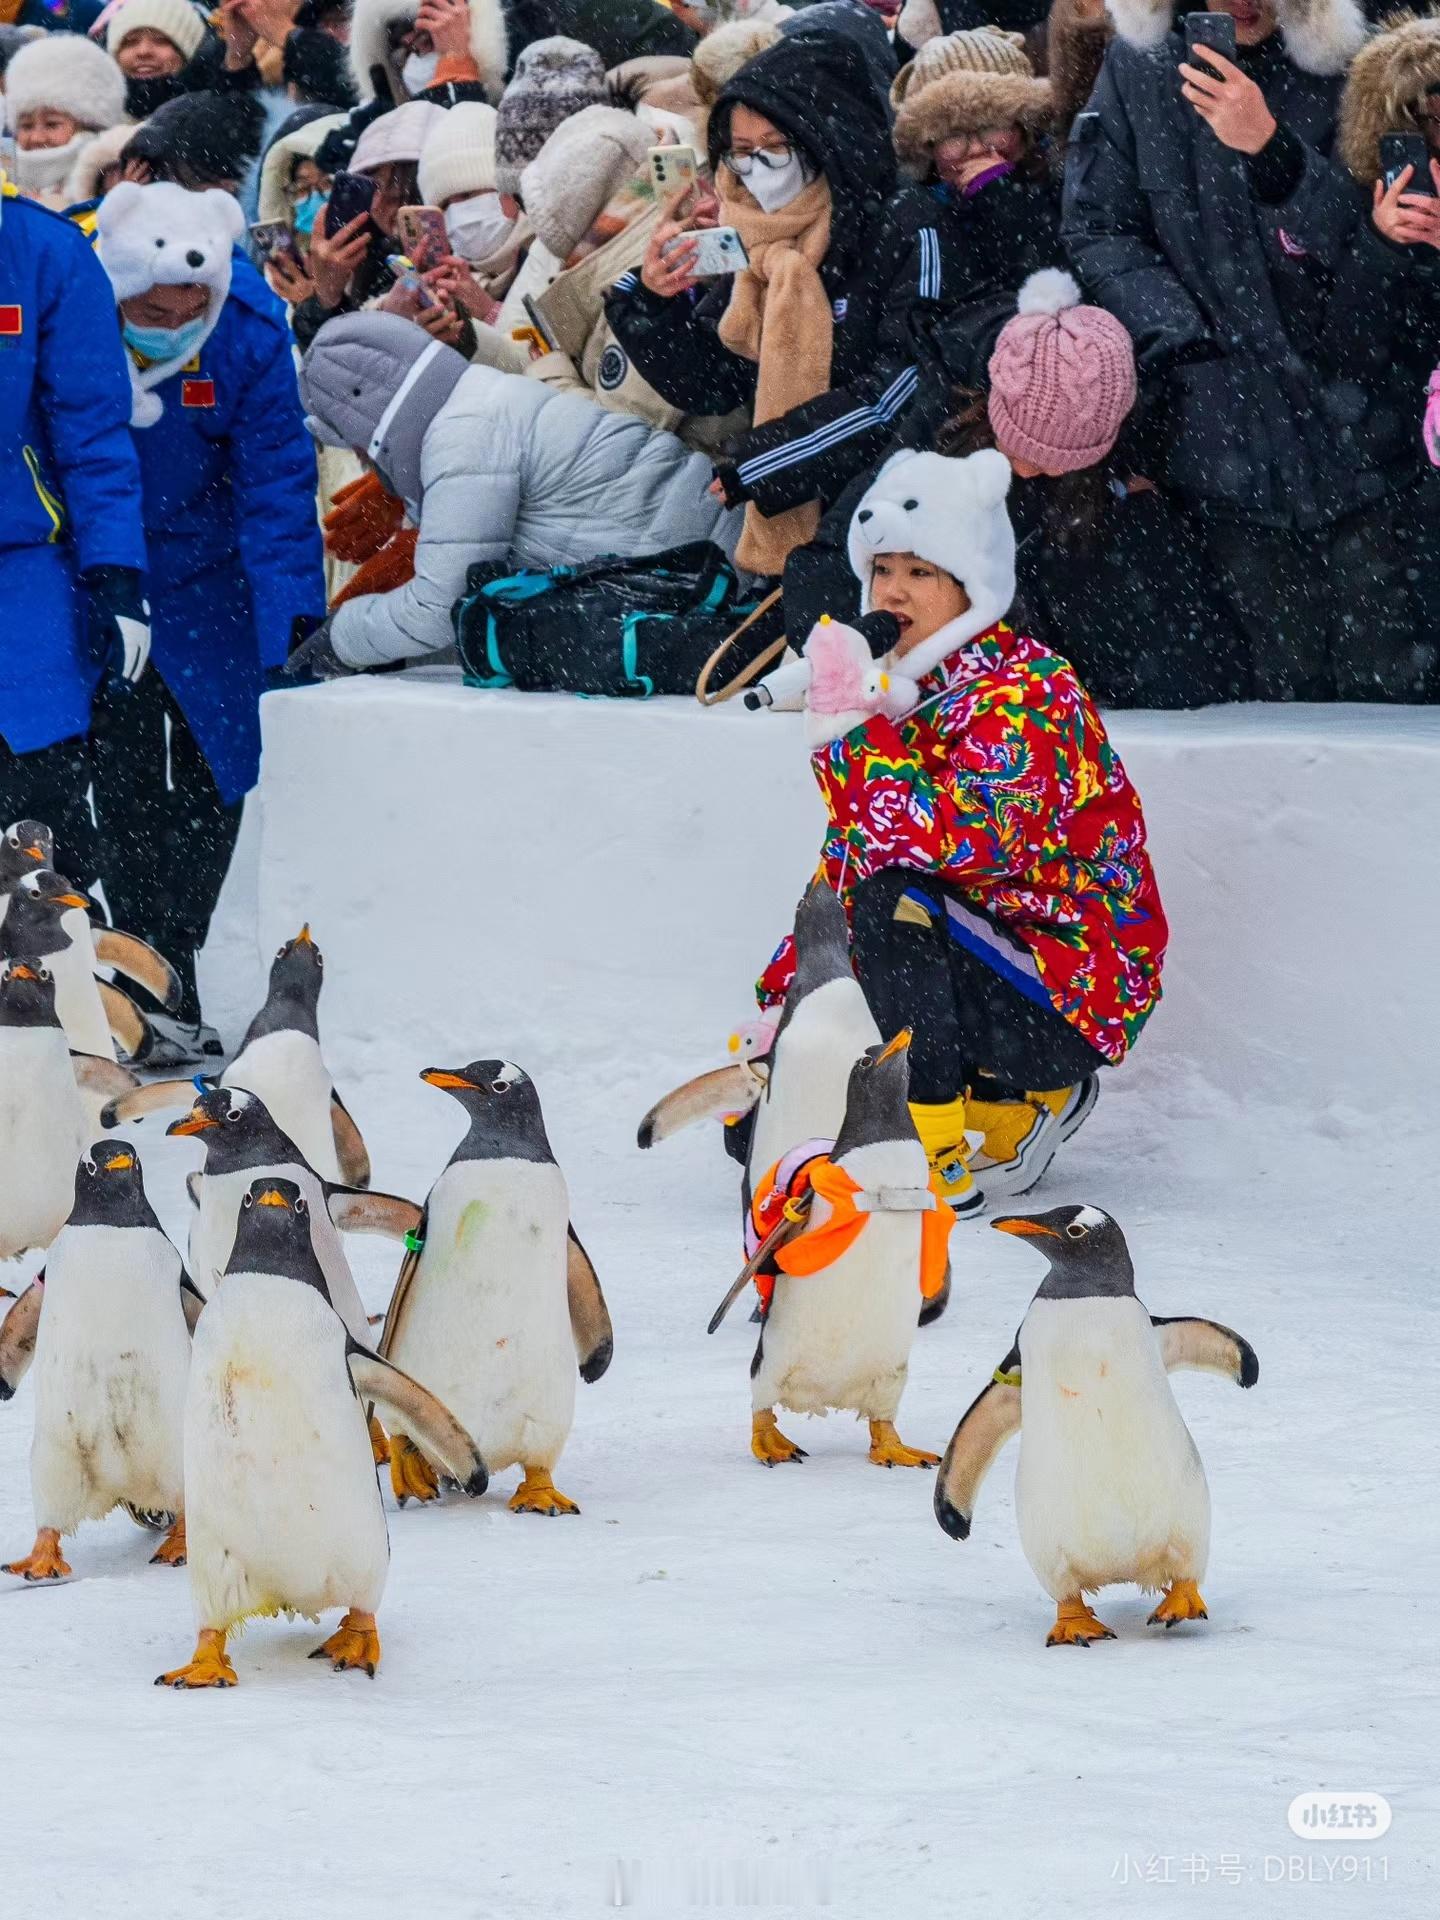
(17,1338)
(1207,1347)
(138,1102)
(350,1149)
(124,1018)
(589,1315)
(191,1299)
(932,1308)
(409,1268)
(420,1415)
(192,1187)
(355,1210)
(983,1430)
(733,1089)
(138,960)
(106,1079)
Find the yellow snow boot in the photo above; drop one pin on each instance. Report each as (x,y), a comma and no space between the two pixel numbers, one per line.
(1021,1136)
(947,1147)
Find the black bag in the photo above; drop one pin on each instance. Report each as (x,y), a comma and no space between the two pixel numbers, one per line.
(612,626)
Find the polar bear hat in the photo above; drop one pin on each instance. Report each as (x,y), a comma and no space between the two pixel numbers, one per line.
(951,513)
(165,236)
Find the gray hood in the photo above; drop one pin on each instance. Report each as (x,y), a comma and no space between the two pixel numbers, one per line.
(374,382)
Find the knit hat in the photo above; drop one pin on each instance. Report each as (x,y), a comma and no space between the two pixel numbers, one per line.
(201,138)
(1062,377)
(553,79)
(962,83)
(181,24)
(721,54)
(69,74)
(568,184)
(396,136)
(459,153)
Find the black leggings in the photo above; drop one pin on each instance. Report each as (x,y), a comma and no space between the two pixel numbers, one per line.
(971,1025)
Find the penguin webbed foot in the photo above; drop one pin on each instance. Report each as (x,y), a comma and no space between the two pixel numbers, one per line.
(537,1493)
(411,1475)
(1181,1601)
(379,1440)
(769,1445)
(354,1645)
(43,1562)
(1076,1626)
(209,1667)
(887,1449)
(171,1550)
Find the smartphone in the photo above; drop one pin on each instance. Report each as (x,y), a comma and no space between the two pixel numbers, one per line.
(719,250)
(1401,150)
(539,325)
(1215,30)
(672,168)
(274,241)
(424,235)
(407,275)
(350,193)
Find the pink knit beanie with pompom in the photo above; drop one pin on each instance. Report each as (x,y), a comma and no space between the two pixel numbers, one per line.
(1062,377)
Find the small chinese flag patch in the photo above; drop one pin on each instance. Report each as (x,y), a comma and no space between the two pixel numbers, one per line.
(12,321)
(197,393)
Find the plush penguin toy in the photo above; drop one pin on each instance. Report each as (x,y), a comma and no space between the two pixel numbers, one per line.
(283,1513)
(499,1301)
(841,1311)
(280,1061)
(111,1362)
(1110,1489)
(42,1118)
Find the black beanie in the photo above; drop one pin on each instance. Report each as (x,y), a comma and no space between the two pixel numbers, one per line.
(201,138)
(318,68)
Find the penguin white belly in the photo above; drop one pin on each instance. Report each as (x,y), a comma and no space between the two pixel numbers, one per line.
(78,1006)
(1109,1487)
(42,1123)
(111,1362)
(287,1072)
(486,1326)
(212,1236)
(282,1508)
(842,1337)
(827,1034)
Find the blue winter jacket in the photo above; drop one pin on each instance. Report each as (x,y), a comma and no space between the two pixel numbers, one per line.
(69,481)
(228,475)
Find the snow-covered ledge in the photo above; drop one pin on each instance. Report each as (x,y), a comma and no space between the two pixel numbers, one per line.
(599,879)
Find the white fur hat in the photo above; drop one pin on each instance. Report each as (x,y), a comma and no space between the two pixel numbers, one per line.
(459,153)
(951,513)
(69,74)
(182,25)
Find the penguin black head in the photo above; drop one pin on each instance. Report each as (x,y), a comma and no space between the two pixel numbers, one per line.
(822,938)
(877,1098)
(39,902)
(272,1234)
(296,975)
(26,845)
(110,1190)
(503,1109)
(1085,1248)
(27,994)
(236,1130)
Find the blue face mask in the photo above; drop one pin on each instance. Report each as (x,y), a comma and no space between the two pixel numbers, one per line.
(165,343)
(307,211)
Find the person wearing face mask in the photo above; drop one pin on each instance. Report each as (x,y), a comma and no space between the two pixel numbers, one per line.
(293,188)
(488,237)
(820,335)
(59,93)
(227,489)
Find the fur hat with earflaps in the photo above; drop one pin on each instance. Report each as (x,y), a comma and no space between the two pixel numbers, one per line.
(1321,36)
(68,74)
(1385,89)
(962,83)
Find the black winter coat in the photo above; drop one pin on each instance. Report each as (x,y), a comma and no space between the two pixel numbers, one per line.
(618,30)
(1169,230)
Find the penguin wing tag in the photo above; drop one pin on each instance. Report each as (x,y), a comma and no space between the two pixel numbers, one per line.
(139,961)
(713,1096)
(984,1428)
(1207,1347)
(389,1214)
(421,1414)
(351,1153)
(589,1316)
(405,1279)
(17,1338)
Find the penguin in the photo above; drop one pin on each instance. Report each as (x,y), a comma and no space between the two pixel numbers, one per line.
(280,1060)
(283,1512)
(25,846)
(111,1361)
(241,1140)
(47,919)
(42,1115)
(498,1302)
(1109,1489)
(840,1324)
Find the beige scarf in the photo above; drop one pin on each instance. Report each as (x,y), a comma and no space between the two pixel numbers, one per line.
(779,316)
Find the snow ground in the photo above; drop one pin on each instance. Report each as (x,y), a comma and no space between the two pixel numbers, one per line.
(790,1691)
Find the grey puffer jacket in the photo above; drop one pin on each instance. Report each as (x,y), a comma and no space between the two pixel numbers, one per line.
(493,467)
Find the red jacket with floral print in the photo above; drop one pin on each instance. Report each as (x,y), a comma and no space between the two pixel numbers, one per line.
(1004,783)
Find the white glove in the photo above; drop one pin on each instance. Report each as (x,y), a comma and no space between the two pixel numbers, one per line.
(134,647)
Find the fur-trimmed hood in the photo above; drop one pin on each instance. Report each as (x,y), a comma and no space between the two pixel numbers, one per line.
(1385,88)
(300,142)
(370,47)
(1321,36)
(967,103)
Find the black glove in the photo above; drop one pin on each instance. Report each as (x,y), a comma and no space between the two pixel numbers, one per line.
(117,624)
(881,631)
(311,662)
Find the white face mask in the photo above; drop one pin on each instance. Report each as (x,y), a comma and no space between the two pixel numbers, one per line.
(41,169)
(776,187)
(478,227)
(418,72)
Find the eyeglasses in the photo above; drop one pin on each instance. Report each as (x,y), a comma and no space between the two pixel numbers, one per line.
(770,159)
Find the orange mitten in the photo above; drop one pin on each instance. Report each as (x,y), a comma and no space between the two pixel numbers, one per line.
(362,517)
(391,567)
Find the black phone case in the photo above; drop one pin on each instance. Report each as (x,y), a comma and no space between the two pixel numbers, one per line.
(347,198)
(1401,150)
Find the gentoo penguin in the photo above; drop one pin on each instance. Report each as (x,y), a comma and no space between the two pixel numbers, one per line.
(111,1361)
(241,1141)
(25,846)
(42,1116)
(47,921)
(1109,1488)
(841,1316)
(280,1060)
(499,1300)
(282,1509)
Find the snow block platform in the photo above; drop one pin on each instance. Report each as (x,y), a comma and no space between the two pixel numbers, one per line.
(597,878)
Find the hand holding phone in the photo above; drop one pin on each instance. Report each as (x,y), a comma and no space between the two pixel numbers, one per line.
(351,194)
(424,236)
(1221,92)
(718,250)
(274,240)
(1401,150)
(673,170)
(1215,30)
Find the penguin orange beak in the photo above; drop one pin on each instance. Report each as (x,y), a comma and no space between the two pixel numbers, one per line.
(442,1077)
(36,852)
(273,1198)
(1024,1229)
(119,1162)
(23,973)
(900,1044)
(302,939)
(194,1122)
(73,899)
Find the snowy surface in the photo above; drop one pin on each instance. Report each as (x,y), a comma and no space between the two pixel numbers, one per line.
(789,1691)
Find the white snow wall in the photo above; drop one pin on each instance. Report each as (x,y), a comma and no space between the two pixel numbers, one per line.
(588,882)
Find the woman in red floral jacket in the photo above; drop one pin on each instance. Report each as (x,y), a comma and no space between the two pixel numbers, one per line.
(983,834)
